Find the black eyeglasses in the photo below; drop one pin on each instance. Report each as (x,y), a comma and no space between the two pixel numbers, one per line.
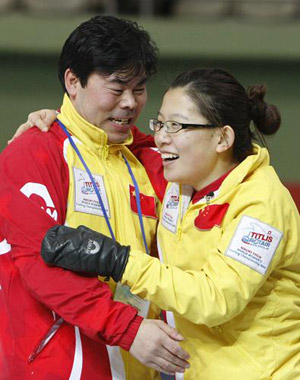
(174,126)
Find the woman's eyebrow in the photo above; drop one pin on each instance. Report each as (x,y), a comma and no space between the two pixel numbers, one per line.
(174,115)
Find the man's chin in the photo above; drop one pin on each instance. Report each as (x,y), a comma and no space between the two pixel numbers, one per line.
(118,138)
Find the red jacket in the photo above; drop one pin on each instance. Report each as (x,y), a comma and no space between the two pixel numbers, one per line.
(33,296)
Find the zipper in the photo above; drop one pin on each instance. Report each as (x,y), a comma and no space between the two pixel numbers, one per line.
(45,339)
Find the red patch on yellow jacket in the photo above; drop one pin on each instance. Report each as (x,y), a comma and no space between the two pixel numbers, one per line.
(210,216)
(148,204)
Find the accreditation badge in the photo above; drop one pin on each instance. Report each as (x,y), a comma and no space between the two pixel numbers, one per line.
(124,295)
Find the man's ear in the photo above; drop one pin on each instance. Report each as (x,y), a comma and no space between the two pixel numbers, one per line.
(226,139)
(71,83)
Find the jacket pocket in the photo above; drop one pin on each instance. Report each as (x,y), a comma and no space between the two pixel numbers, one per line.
(45,340)
(239,349)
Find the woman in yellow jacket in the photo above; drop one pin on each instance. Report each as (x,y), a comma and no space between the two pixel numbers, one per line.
(229,274)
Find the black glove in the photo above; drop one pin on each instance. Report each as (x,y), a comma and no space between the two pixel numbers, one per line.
(84,250)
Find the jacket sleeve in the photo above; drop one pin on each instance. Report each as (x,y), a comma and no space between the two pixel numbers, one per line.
(221,289)
(143,147)
(33,198)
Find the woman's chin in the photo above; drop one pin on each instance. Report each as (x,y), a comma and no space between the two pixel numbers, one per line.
(171,177)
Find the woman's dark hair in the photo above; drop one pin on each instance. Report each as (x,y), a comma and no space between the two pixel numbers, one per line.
(107,45)
(222,100)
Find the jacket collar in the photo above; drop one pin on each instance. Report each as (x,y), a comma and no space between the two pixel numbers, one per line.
(235,176)
(210,189)
(259,158)
(91,136)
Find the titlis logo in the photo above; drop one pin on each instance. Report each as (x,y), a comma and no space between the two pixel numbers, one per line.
(88,188)
(173,201)
(258,239)
(92,247)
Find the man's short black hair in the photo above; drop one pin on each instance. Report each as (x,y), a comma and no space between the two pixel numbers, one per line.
(107,45)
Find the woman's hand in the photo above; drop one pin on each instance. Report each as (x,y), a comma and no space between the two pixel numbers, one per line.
(41,119)
(84,250)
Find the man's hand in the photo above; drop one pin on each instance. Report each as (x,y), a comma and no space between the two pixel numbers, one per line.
(41,119)
(156,345)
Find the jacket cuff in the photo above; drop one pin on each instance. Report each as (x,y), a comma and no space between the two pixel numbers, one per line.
(130,334)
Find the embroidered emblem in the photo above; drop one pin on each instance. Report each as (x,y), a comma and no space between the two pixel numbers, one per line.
(171,208)
(148,205)
(86,199)
(254,244)
(210,216)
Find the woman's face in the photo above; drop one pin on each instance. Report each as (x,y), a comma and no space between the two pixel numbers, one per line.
(189,156)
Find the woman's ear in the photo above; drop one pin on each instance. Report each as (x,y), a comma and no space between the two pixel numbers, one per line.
(226,139)
(71,83)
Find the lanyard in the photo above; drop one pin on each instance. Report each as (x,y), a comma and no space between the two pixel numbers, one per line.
(138,202)
(91,178)
(137,192)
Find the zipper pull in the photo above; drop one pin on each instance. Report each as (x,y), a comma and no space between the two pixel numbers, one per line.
(208,197)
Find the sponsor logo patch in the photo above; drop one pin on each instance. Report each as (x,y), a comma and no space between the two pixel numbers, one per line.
(171,208)
(254,244)
(86,199)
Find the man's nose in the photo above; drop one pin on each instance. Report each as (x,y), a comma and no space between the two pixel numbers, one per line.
(128,100)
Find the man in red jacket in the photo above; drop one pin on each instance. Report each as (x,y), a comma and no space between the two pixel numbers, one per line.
(54,323)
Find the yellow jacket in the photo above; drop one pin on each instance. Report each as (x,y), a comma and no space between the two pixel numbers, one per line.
(116,188)
(231,275)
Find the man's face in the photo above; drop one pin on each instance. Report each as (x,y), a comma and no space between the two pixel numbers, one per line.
(112,103)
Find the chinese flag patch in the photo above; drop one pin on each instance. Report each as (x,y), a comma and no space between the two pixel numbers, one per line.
(210,216)
(148,205)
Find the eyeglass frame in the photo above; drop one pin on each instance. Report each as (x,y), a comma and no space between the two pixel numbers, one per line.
(182,125)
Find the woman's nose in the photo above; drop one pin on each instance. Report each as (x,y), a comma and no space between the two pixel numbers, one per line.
(162,137)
